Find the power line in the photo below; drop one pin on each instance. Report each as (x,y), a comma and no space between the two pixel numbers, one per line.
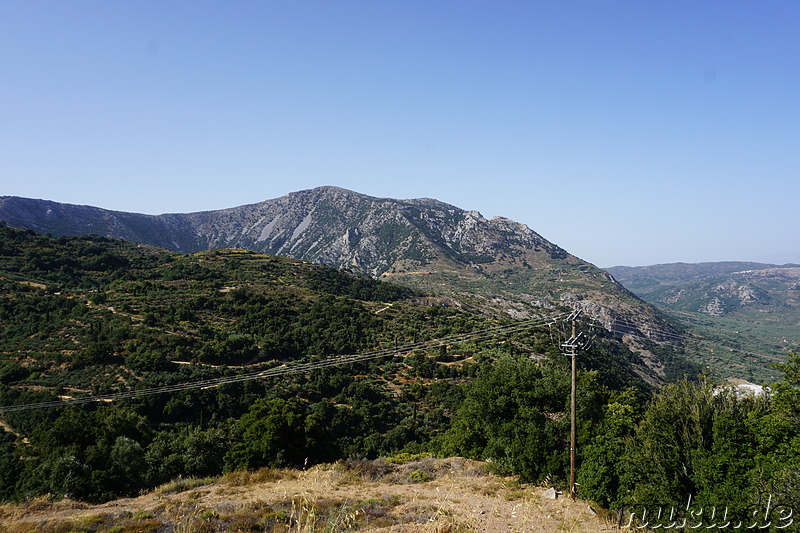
(676,340)
(622,322)
(298,368)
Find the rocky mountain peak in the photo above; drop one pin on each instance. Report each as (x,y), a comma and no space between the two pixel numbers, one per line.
(499,265)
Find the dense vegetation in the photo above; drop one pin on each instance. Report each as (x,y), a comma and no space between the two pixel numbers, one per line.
(87,315)
(692,443)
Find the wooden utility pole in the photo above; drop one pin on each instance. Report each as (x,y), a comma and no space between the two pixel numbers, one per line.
(573,415)
(571,351)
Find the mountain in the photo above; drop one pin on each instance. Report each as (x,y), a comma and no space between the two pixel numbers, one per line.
(748,313)
(375,236)
(496,265)
(421,242)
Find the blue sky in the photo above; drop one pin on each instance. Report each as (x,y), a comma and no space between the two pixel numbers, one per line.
(626,132)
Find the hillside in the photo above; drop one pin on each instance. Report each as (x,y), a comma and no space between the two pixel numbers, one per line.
(748,313)
(83,316)
(497,265)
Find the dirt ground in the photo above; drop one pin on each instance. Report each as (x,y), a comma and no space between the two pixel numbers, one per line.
(428,495)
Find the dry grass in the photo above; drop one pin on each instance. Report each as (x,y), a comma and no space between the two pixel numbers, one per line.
(10,511)
(183,484)
(421,495)
(243,478)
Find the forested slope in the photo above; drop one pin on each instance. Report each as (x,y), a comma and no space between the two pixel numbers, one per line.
(92,316)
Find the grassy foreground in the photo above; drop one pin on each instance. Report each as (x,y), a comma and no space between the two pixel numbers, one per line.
(422,495)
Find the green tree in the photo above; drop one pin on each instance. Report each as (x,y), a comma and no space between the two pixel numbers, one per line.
(778,439)
(189,452)
(10,467)
(694,441)
(278,433)
(600,469)
(513,414)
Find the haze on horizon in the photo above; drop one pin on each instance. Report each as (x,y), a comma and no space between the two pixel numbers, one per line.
(650,133)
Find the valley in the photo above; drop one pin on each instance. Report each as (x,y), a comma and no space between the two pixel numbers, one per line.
(743,317)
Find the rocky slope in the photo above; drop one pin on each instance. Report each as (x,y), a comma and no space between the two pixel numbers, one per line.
(325,225)
(497,265)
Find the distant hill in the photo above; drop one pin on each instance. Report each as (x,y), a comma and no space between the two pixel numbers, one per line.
(496,265)
(221,307)
(717,289)
(751,311)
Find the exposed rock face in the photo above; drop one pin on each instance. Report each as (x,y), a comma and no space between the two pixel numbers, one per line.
(503,266)
(326,225)
(741,291)
(715,307)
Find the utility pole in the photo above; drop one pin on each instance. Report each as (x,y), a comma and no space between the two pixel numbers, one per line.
(571,350)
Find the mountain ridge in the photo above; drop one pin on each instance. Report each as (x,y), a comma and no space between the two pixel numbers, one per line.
(200,230)
(496,265)
(349,241)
